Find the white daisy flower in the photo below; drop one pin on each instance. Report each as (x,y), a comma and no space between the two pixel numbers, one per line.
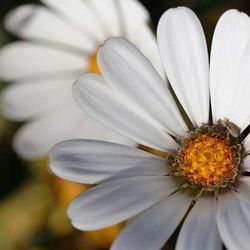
(203,181)
(60,43)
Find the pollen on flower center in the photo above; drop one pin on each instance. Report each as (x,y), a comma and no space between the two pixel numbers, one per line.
(210,158)
(93,66)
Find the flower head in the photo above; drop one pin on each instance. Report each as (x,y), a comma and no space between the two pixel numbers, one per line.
(204,180)
(61,40)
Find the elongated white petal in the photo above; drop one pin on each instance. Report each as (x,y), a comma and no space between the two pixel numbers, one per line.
(90,161)
(153,227)
(244,187)
(151,166)
(111,136)
(233,221)
(146,42)
(132,14)
(246,143)
(131,74)
(128,18)
(246,163)
(24,100)
(108,14)
(24,59)
(80,14)
(183,51)
(239,93)
(39,23)
(36,138)
(199,230)
(117,200)
(109,108)
(230,37)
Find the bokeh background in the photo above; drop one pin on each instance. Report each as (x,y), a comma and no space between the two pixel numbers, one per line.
(32,201)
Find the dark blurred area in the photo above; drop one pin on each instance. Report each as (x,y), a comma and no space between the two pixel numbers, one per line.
(28,210)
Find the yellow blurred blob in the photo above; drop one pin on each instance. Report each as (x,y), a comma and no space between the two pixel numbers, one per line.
(104,237)
(93,66)
(66,191)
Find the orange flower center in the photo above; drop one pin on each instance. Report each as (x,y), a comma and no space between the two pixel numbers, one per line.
(210,158)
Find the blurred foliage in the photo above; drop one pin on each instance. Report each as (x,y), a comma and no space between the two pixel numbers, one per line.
(33,202)
(22,214)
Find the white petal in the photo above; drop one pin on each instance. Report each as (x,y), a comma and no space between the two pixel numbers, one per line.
(119,17)
(111,136)
(199,230)
(131,74)
(233,221)
(35,139)
(183,51)
(23,59)
(146,42)
(244,187)
(24,100)
(80,14)
(151,166)
(153,227)
(103,103)
(128,18)
(238,98)
(38,23)
(246,143)
(230,38)
(132,15)
(118,200)
(246,163)
(87,128)
(108,14)
(90,161)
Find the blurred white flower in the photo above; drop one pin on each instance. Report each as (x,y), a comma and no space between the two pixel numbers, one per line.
(205,165)
(60,43)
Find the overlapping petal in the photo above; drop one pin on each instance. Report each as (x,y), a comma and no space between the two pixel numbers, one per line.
(153,227)
(233,220)
(90,161)
(118,200)
(131,74)
(199,230)
(105,105)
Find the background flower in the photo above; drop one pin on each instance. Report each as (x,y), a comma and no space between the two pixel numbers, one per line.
(59,45)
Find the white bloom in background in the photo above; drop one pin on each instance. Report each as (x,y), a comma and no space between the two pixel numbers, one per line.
(60,43)
(203,180)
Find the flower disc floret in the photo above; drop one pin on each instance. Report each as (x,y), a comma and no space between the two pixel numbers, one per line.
(210,158)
